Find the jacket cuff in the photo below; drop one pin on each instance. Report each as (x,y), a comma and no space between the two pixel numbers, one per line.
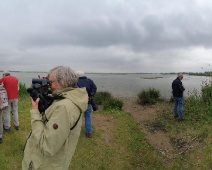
(35,114)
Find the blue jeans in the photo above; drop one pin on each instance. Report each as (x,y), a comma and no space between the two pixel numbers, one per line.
(178,106)
(87,115)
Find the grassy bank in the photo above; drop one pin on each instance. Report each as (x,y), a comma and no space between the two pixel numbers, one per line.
(126,150)
(11,150)
(118,142)
(190,145)
(123,148)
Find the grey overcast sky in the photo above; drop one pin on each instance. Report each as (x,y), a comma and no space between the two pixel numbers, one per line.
(156,36)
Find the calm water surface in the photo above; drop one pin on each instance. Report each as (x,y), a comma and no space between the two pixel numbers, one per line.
(130,84)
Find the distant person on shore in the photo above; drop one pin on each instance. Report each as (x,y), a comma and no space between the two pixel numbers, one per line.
(12,87)
(91,90)
(55,133)
(177,90)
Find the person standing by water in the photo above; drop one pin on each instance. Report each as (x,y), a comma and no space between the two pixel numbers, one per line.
(91,90)
(12,87)
(177,90)
(55,133)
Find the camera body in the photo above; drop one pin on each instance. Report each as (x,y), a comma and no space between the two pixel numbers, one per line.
(93,104)
(40,89)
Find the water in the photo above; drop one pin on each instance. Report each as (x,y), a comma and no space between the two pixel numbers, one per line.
(131,84)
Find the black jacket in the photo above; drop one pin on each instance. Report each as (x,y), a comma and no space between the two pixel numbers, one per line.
(177,88)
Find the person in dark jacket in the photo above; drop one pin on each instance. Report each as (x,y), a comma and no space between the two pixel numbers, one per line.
(91,90)
(177,90)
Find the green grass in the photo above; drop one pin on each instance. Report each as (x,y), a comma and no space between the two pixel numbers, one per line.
(11,150)
(126,147)
(22,90)
(192,137)
(113,105)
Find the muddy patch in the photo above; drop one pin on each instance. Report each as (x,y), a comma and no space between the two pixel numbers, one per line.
(105,124)
(156,126)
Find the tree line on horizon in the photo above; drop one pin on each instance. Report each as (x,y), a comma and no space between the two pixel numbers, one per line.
(206,73)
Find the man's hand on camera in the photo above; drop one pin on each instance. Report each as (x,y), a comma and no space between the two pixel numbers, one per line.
(35,103)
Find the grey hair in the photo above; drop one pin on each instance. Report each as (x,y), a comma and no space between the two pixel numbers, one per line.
(180,74)
(64,76)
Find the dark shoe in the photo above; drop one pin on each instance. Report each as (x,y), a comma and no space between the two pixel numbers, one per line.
(16,127)
(88,135)
(1,140)
(7,130)
(176,116)
(181,119)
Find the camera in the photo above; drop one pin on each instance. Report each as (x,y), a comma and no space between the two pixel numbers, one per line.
(93,104)
(40,89)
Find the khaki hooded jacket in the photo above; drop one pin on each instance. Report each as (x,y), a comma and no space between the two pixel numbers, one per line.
(51,144)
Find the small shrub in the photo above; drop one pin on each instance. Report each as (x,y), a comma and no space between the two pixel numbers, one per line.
(22,89)
(113,104)
(192,106)
(198,106)
(171,100)
(149,96)
(207,93)
(101,97)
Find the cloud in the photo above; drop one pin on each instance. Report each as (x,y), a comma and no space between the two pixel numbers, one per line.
(106,36)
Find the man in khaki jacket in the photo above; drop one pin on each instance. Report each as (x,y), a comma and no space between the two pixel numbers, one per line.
(52,143)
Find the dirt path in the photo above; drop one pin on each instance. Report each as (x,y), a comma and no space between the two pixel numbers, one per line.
(143,115)
(168,143)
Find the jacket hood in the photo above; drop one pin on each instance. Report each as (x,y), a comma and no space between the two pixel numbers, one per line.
(78,96)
